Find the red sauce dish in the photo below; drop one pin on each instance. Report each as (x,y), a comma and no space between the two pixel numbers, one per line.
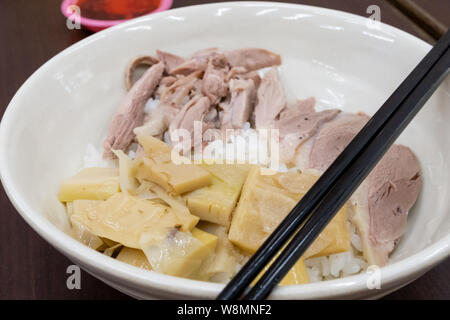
(97,15)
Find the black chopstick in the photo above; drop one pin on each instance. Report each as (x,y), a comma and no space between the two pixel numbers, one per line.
(319,190)
(347,184)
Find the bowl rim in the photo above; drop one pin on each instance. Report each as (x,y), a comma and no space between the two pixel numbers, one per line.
(146,281)
(101,24)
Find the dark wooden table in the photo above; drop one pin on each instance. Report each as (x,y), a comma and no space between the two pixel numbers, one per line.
(31,32)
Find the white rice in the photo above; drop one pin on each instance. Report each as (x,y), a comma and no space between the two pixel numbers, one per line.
(238,148)
(93,158)
(151,104)
(335,266)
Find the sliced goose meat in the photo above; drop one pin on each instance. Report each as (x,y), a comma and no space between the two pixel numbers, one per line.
(171,61)
(299,127)
(393,188)
(252,58)
(197,62)
(131,113)
(177,94)
(195,110)
(242,73)
(134,64)
(235,72)
(382,202)
(252,75)
(271,100)
(242,101)
(190,66)
(298,107)
(214,84)
(334,137)
(204,54)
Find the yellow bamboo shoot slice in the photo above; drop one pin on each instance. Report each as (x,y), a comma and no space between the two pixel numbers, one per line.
(90,184)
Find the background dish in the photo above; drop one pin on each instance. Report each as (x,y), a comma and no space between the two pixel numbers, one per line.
(97,25)
(358,74)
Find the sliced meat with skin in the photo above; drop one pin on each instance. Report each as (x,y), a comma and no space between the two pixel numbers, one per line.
(235,72)
(197,62)
(170,60)
(271,100)
(299,127)
(240,107)
(252,58)
(394,186)
(214,84)
(298,107)
(204,54)
(190,66)
(134,64)
(131,113)
(334,137)
(381,204)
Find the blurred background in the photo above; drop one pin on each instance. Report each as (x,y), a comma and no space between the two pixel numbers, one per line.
(33,31)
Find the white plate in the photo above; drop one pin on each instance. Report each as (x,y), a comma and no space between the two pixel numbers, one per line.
(334,56)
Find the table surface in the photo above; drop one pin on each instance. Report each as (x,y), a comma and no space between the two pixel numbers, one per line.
(31,32)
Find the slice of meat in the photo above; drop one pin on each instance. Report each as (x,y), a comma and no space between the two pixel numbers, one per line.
(240,107)
(252,75)
(394,186)
(381,204)
(171,61)
(298,107)
(301,125)
(134,64)
(205,54)
(190,66)
(252,58)
(177,94)
(271,100)
(131,113)
(242,73)
(334,137)
(197,62)
(195,110)
(236,72)
(214,84)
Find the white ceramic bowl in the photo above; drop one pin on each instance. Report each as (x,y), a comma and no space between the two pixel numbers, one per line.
(337,57)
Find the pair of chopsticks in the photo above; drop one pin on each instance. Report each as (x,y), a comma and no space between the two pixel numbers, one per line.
(321,203)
